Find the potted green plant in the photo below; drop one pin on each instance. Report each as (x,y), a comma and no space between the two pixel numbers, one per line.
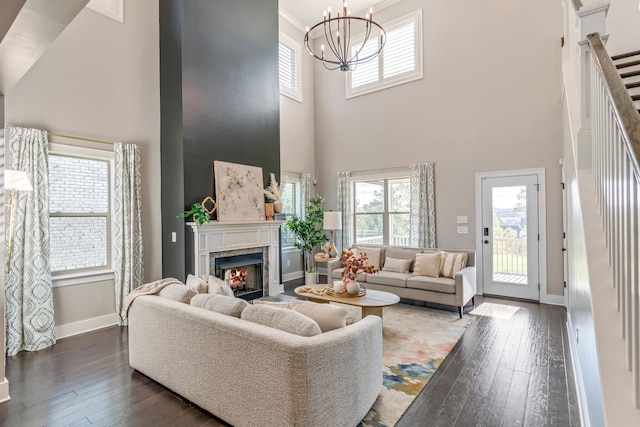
(309,234)
(200,215)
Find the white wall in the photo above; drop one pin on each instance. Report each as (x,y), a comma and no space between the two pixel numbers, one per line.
(100,79)
(489,101)
(297,136)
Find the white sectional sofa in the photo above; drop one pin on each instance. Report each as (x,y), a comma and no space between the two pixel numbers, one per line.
(249,374)
(454,291)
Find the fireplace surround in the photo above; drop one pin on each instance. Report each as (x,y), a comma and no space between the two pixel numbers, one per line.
(215,241)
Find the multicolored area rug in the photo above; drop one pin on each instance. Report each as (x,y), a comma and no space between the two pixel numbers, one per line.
(415,342)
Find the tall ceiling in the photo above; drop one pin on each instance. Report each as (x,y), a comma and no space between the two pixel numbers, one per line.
(309,12)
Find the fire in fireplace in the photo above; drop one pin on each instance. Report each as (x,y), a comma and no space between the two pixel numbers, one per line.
(243,273)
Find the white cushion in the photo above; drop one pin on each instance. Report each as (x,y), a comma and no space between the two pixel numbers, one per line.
(452,263)
(285,320)
(220,304)
(328,317)
(276,304)
(219,286)
(428,264)
(373,255)
(201,286)
(396,265)
(178,292)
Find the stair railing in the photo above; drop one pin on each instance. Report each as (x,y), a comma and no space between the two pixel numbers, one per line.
(615,125)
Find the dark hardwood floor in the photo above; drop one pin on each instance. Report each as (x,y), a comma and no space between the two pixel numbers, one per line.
(502,372)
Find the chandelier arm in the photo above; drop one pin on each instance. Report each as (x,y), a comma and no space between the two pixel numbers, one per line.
(341,51)
(331,41)
(364,42)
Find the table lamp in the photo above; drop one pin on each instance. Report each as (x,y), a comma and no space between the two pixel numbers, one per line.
(332,221)
(14,181)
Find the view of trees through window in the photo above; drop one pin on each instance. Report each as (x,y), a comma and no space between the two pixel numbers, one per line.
(290,207)
(382,211)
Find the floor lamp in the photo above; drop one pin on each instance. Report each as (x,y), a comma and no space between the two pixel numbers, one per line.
(14,181)
(332,221)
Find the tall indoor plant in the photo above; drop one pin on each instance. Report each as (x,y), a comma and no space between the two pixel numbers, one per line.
(309,234)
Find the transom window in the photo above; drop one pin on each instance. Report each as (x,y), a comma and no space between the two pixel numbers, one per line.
(79,213)
(399,62)
(381,209)
(289,68)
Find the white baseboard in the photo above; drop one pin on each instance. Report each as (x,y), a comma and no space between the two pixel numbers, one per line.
(4,390)
(555,300)
(292,276)
(83,326)
(579,383)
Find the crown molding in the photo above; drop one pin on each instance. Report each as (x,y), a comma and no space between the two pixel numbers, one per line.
(113,9)
(291,19)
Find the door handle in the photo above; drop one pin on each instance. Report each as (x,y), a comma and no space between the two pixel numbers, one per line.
(486,242)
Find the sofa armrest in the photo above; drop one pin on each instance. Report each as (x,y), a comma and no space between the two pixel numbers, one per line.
(333,265)
(465,285)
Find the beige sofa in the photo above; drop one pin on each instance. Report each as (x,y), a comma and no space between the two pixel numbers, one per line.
(456,291)
(248,374)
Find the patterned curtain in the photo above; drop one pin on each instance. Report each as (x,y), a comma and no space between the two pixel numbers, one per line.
(422,216)
(28,289)
(305,192)
(345,205)
(128,260)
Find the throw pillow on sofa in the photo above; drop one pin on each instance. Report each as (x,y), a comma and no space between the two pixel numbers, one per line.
(276,304)
(285,320)
(201,286)
(452,263)
(219,286)
(220,304)
(178,292)
(395,265)
(328,317)
(428,264)
(373,255)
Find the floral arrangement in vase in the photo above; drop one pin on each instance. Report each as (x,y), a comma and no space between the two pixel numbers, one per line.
(353,265)
(274,192)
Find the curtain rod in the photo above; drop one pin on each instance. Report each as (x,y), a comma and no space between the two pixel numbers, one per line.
(79,138)
(397,168)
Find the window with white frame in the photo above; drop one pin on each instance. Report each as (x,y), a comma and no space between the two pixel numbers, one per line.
(381,211)
(79,212)
(399,62)
(291,206)
(290,67)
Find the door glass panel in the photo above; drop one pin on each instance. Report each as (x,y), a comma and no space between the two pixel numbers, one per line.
(509,209)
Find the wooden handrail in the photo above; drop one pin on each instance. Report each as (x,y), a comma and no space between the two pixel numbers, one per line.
(625,111)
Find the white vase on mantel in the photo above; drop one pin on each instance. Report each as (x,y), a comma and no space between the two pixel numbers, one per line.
(310,278)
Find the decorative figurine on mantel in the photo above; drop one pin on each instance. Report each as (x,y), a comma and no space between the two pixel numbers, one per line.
(274,192)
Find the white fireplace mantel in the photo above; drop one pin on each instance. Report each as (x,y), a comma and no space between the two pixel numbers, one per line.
(223,236)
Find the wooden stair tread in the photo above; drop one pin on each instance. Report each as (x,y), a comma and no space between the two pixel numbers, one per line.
(630,74)
(632,85)
(635,97)
(628,64)
(625,55)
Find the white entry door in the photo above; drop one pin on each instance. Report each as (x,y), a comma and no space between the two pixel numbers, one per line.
(510,236)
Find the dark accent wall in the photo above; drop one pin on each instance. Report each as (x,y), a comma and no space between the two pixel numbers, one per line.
(219,101)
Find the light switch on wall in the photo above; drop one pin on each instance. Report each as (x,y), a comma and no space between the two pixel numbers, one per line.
(463,229)
(174,236)
(462,219)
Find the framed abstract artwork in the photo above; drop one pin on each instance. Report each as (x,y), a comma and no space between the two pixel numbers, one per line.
(239,192)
